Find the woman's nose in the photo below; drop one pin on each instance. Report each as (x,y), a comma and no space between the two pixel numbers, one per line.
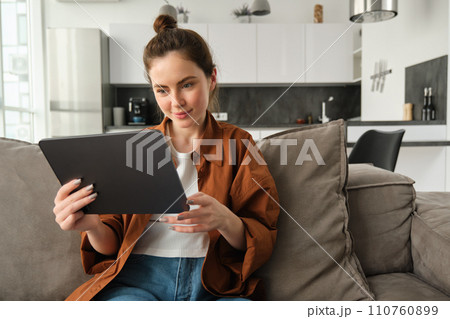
(178,99)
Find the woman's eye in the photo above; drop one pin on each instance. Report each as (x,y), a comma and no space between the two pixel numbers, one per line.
(187,85)
(161,91)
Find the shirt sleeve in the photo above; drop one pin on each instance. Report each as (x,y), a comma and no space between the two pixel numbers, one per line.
(94,262)
(259,212)
(254,199)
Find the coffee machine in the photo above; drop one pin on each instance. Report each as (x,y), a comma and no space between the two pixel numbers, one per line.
(139,111)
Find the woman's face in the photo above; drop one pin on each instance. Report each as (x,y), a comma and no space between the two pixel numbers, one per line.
(181,89)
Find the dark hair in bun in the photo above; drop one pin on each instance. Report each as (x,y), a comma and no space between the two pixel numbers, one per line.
(189,43)
(164,22)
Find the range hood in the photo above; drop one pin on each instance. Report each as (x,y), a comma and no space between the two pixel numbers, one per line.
(364,11)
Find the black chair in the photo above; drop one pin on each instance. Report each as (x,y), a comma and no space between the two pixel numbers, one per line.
(377,147)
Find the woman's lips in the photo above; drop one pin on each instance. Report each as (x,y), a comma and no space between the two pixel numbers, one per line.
(181,115)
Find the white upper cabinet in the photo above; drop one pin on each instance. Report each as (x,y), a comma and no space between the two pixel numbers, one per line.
(200,28)
(248,53)
(280,53)
(234,51)
(329,53)
(126,47)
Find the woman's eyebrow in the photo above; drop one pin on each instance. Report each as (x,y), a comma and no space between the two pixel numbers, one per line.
(156,85)
(187,78)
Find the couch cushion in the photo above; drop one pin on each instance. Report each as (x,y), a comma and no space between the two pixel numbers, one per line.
(403,286)
(39,260)
(381,203)
(430,239)
(313,257)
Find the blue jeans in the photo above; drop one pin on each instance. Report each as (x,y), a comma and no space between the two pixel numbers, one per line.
(146,277)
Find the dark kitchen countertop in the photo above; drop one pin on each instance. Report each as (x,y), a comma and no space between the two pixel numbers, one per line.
(262,126)
(416,144)
(367,123)
(349,144)
(386,123)
(294,125)
(349,123)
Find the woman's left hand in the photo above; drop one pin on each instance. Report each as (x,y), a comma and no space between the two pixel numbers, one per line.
(211,215)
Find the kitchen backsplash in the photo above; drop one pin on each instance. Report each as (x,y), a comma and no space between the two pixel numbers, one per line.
(432,73)
(245,105)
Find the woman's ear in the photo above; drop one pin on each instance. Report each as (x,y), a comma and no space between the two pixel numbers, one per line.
(213,79)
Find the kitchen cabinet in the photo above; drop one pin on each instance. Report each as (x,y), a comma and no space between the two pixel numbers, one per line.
(424,164)
(200,28)
(263,132)
(234,51)
(280,53)
(248,53)
(413,133)
(126,47)
(329,53)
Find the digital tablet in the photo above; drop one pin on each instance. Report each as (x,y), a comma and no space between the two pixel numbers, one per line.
(132,172)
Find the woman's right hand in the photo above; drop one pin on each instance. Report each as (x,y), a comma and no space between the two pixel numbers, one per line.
(68,207)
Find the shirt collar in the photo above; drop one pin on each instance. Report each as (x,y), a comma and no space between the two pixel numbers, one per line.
(213,131)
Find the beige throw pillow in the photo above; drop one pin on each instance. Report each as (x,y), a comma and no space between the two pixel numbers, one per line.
(313,257)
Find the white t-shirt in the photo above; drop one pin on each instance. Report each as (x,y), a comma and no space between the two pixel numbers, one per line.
(158,239)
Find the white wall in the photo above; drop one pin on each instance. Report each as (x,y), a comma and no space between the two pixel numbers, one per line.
(91,15)
(419,33)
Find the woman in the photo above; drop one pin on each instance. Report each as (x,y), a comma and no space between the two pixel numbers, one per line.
(211,251)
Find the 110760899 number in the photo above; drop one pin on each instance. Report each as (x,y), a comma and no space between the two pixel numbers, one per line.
(402,310)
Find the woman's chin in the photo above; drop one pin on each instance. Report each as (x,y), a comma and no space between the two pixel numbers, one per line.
(185,122)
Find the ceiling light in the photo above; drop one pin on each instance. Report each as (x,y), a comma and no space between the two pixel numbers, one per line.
(363,11)
(260,8)
(169,10)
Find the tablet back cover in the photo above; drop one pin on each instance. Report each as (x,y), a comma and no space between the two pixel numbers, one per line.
(132,172)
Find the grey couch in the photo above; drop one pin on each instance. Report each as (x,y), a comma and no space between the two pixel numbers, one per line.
(379,242)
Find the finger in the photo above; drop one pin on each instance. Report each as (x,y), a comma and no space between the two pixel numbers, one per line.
(70,222)
(85,191)
(74,207)
(195,213)
(198,194)
(200,199)
(174,220)
(169,219)
(77,216)
(66,189)
(190,229)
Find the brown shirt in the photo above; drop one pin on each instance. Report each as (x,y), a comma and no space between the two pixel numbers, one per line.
(233,180)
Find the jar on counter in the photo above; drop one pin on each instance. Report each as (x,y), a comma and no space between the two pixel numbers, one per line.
(408,112)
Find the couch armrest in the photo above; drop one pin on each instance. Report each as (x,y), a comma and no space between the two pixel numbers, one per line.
(430,239)
(380,207)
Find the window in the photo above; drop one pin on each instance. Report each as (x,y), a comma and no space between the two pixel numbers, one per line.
(16,109)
